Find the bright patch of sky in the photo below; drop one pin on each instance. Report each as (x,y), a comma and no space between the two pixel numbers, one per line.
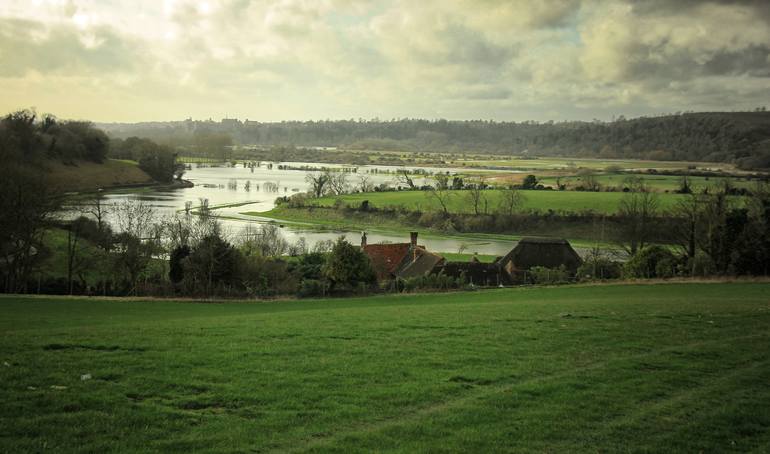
(133,60)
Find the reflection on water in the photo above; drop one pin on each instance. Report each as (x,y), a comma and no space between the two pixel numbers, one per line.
(257,190)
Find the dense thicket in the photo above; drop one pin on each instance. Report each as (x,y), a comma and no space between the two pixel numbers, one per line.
(740,137)
(159,161)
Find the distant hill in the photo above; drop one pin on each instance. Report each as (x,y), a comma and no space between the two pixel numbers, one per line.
(742,138)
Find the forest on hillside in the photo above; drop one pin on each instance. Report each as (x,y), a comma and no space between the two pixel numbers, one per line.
(742,138)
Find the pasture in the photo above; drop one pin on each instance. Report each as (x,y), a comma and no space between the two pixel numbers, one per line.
(566,163)
(644,368)
(559,201)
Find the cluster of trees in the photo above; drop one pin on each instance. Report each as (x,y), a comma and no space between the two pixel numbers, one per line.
(740,137)
(159,161)
(29,140)
(28,200)
(184,254)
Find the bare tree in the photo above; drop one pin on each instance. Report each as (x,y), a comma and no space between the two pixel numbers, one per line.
(591,183)
(442,195)
(318,182)
(637,211)
(265,240)
(403,177)
(689,210)
(477,198)
(98,209)
(511,199)
(337,182)
(365,183)
(137,241)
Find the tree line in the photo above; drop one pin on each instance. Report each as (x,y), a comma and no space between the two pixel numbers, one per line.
(29,199)
(738,137)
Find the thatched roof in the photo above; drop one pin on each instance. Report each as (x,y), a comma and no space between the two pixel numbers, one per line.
(547,252)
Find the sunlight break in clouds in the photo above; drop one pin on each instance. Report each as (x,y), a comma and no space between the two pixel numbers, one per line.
(124,60)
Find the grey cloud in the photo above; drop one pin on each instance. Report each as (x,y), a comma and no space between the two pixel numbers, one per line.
(61,50)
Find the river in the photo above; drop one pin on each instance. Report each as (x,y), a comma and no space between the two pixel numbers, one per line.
(258,188)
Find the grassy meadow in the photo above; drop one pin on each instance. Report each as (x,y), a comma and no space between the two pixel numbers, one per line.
(642,368)
(90,176)
(565,163)
(560,201)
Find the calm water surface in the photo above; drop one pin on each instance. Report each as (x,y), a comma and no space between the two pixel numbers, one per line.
(258,188)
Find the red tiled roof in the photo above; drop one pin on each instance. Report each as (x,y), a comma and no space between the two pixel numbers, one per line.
(386,258)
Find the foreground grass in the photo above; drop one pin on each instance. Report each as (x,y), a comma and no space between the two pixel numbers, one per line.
(678,367)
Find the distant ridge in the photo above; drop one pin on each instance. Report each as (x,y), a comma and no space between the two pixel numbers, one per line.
(742,138)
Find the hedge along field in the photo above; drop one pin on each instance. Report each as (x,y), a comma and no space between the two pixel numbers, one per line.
(557,163)
(668,367)
(561,201)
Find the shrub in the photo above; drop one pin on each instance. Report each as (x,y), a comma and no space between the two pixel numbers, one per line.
(543,275)
(431,282)
(600,268)
(645,264)
(310,288)
(702,265)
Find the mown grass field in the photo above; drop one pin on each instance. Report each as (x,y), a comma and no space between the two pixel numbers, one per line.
(642,368)
(560,201)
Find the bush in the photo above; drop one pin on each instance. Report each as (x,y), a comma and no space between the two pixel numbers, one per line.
(432,282)
(651,262)
(310,288)
(600,268)
(543,275)
(702,265)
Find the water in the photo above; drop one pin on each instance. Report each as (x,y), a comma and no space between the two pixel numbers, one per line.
(228,185)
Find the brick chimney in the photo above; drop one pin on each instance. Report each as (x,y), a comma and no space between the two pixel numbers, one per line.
(363,240)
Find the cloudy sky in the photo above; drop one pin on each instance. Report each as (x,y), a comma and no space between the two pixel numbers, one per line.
(132,60)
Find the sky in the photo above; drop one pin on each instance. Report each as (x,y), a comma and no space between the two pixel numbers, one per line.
(516,60)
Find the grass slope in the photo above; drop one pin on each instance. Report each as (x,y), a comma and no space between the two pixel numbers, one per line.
(90,176)
(676,367)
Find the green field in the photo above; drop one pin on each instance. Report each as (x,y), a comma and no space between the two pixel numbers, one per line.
(660,183)
(560,201)
(90,176)
(642,368)
(556,163)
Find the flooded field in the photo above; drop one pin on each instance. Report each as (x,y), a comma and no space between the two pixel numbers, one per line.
(232,190)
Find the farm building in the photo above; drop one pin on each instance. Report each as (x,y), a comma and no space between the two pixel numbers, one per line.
(400,260)
(545,252)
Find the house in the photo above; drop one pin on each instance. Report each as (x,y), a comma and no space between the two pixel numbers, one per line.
(546,252)
(400,260)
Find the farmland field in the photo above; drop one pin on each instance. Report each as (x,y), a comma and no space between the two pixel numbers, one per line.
(667,367)
(564,201)
(588,163)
